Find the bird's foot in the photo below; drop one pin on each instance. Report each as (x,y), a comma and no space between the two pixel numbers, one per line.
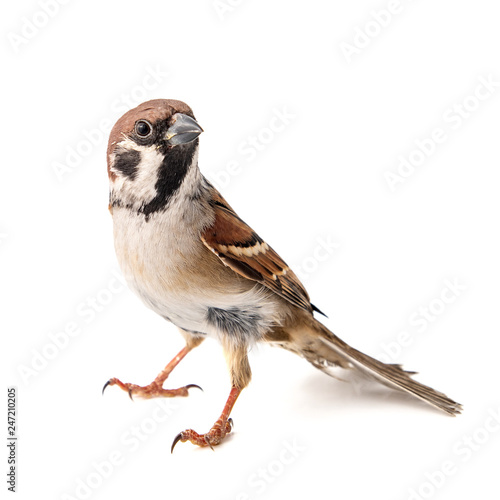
(153,390)
(212,438)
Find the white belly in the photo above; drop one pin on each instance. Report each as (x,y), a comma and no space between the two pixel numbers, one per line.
(161,263)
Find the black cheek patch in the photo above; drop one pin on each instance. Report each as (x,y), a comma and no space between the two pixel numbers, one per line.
(173,169)
(126,162)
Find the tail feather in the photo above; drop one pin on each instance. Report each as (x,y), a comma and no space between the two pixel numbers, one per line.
(392,375)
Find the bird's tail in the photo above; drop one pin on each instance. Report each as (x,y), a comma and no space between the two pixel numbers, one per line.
(328,350)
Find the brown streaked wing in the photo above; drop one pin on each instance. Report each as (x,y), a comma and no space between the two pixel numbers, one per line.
(241,249)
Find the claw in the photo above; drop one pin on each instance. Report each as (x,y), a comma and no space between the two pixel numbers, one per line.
(194,385)
(105,385)
(176,440)
(222,427)
(130,394)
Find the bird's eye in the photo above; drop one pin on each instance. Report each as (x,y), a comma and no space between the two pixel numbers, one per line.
(143,128)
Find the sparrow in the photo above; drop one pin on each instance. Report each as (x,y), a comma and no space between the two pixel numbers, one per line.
(190,258)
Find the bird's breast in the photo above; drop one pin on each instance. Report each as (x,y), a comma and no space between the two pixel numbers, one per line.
(174,274)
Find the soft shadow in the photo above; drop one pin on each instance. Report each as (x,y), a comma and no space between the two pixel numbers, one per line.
(321,393)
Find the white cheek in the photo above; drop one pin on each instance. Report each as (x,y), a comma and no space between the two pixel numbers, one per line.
(141,189)
(143,186)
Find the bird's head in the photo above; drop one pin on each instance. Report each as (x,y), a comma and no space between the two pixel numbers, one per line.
(151,149)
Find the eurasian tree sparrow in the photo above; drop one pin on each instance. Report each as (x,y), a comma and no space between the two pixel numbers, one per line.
(191,259)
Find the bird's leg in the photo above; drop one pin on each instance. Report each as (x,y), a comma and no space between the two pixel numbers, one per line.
(155,388)
(218,431)
(239,369)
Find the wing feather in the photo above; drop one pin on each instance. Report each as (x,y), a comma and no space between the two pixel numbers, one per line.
(241,249)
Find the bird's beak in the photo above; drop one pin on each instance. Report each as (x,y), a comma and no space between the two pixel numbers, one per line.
(184,129)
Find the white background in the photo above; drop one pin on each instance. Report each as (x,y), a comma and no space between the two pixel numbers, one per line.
(321,178)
